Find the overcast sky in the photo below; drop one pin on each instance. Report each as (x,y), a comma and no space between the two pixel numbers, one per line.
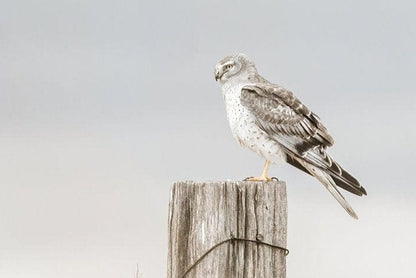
(103,104)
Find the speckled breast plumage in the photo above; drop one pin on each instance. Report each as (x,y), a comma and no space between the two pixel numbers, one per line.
(244,128)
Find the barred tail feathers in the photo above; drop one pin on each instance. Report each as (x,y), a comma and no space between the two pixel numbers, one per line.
(331,186)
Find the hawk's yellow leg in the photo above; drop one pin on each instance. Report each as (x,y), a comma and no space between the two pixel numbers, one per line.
(263,176)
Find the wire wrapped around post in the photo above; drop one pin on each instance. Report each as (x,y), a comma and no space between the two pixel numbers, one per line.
(231,240)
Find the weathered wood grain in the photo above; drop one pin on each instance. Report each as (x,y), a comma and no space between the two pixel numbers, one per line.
(202,214)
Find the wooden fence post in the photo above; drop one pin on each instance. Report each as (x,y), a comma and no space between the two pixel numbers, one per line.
(247,219)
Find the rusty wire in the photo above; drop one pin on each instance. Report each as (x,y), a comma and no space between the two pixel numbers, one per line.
(231,239)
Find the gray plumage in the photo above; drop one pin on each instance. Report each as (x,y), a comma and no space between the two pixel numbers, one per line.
(271,121)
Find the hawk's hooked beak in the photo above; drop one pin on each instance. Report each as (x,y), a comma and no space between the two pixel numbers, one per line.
(218,74)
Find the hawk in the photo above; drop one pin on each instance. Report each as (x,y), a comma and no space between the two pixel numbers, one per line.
(271,121)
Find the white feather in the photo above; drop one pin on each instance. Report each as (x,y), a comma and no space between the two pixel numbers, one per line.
(244,128)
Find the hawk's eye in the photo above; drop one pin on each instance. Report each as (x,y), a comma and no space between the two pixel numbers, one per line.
(229,66)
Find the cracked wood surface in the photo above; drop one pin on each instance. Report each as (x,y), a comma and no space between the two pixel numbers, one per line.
(202,214)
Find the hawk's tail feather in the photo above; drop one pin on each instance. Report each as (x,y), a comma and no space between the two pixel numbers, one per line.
(331,186)
(342,178)
(345,180)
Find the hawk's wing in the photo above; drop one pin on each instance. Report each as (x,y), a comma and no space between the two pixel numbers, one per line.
(282,115)
(285,119)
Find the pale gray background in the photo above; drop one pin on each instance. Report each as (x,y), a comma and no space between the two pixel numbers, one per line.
(103,104)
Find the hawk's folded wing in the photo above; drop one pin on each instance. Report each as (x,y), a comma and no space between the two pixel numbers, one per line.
(285,119)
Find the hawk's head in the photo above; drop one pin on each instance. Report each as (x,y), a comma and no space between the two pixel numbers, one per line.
(234,66)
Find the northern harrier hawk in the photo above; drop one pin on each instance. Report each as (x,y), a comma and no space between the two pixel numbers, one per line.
(271,121)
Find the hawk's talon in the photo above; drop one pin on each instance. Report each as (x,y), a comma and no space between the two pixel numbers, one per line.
(274,179)
(248,178)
